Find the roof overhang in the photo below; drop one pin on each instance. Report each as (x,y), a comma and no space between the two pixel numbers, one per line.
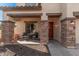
(76,14)
(20,8)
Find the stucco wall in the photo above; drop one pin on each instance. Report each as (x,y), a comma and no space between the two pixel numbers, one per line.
(19,27)
(63,10)
(51,7)
(71,7)
(67,9)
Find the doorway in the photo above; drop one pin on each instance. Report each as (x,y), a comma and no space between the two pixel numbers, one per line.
(50,30)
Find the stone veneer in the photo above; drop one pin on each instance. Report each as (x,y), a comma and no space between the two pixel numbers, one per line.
(43,31)
(7,31)
(68,32)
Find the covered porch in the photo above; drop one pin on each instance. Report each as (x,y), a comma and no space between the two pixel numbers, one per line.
(24,28)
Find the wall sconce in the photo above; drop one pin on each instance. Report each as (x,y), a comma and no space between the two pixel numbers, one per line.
(15,25)
(72,22)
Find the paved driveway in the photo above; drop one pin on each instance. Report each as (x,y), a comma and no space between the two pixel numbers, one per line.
(57,50)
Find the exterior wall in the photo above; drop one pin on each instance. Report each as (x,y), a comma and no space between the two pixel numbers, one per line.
(20,24)
(66,9)
(43,32)
(72,7)
(53,8)
(68,32)
(77,31)
(7,31)
(19,27)
(56,28)
(63,7)
(36,27)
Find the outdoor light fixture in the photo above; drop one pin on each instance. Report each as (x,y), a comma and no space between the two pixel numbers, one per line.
(72,22)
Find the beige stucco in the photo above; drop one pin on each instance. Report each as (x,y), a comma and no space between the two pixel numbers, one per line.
(72,7)
(19,27)
(20,24)
(51,7)
(67,9)
(63,10)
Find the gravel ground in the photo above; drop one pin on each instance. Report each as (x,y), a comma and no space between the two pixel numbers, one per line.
(24,50)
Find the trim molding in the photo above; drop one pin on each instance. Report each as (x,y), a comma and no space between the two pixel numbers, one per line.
(7,21)
(44,20)
(68,18)
(54,14)
(76,14)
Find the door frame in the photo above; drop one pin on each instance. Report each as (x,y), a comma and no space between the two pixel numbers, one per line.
(52,17)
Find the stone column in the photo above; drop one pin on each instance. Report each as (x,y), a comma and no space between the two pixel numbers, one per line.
(68,32)
(43,29)
(7,31)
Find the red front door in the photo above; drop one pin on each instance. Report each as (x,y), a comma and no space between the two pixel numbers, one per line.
(50,30)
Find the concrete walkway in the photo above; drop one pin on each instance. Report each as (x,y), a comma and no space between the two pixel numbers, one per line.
(57,50)
(27,42)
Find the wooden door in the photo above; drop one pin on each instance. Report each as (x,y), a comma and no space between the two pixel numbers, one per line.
(50,30)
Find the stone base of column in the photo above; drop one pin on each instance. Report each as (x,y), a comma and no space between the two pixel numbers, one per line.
(43,28)
(7,31)
(68,32)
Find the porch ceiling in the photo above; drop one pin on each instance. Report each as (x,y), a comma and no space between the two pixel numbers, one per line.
(24,15)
